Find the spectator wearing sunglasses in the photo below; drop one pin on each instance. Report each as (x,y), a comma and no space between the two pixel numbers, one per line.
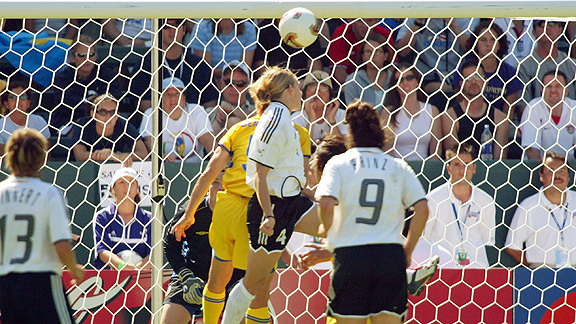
(107,136)
(234,106)
(321,113)
(545,57)
(413,124)
(16,100)
(79,80)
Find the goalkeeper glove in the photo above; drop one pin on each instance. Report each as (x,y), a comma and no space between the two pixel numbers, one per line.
(192,286)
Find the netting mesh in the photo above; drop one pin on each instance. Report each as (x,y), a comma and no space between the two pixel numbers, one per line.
(504,86)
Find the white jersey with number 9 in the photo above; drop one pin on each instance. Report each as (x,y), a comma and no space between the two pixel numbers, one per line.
(373,191)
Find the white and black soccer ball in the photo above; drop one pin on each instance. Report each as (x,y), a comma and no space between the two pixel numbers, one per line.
(298,27)
(130,257)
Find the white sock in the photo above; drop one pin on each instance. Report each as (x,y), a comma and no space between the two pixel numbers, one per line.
(409,273)
(237,304)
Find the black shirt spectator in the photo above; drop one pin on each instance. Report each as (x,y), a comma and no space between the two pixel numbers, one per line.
(71,92)
(122,140)
(194,72)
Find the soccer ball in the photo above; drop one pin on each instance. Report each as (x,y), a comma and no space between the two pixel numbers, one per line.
(298,27)
(130,257)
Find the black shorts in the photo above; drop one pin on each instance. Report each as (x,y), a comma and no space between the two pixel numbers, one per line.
(287,212)
(368,280)
(175,293)
(34,298)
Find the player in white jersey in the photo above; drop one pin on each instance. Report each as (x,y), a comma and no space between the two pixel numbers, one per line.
(35,240)
(362,197)
(275,170)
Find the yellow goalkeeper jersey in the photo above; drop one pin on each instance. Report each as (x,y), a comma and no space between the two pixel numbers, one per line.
(237,141)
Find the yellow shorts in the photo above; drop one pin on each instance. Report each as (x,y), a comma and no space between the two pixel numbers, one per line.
(228,231)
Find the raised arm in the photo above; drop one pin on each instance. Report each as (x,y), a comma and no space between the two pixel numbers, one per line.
(215,166)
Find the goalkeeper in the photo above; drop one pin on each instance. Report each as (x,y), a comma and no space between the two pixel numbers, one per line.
(190,260)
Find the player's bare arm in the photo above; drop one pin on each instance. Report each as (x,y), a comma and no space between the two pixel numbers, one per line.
(326,211)
(68,258)
(263,195)
(417,225)
(215,166)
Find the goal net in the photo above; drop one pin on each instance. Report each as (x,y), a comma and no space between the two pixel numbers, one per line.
(158,94)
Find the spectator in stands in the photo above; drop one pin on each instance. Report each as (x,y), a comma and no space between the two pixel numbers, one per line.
(233,106)
(462,216)
(105,136)
(129,32)
(16,99)
(186,130)
(78,81)
(519,37)
(346,42)
(179,62)
(438,43)
(369,81)
(549,121)
(415,125)
(464,122)
(61,28)
(123,226)
(488,45)
(3,108)
(272,51)
(544,58)
(543,222)
(321,113)
(224,40)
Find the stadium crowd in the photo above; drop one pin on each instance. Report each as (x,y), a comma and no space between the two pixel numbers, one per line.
(438,86)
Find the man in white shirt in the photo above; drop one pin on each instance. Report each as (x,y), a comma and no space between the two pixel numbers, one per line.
(321,113)
(544,222)
(462,216)
(186,130)
(549,122)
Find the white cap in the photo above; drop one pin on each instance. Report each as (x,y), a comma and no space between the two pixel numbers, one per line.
(238,65)
(124,172)
(172,83)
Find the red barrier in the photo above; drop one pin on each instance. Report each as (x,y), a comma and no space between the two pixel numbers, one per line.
(470,296)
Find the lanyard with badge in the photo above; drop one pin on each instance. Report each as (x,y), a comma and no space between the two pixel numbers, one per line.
(463,257)
(178,67)
(561,251)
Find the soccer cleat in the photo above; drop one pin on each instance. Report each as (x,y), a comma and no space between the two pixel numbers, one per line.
(421,275)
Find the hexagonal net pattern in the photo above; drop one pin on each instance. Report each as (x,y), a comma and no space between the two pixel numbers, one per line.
(473,105)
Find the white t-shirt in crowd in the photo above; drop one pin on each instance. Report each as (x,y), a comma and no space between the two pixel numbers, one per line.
(321,127)
(462,225)
(537,223)
(7,127)
(180,137)
(539,131)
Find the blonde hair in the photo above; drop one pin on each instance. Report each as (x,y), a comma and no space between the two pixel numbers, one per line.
(83,40)
(26,152)
(270,86)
